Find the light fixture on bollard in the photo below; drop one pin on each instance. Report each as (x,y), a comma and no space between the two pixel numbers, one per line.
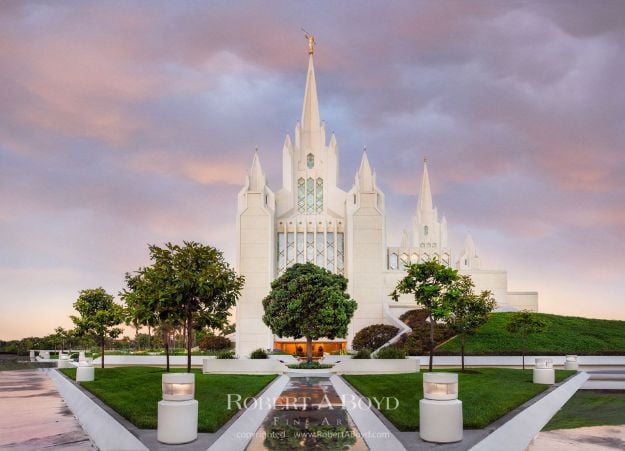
(571,363)
(543,371)
(85,372)
(440,412)
(177,412)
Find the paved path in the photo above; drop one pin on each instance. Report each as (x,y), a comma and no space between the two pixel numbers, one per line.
(33,415)
(596,438)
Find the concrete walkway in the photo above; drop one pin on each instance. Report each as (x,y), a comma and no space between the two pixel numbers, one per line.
(596,438)
(34,416)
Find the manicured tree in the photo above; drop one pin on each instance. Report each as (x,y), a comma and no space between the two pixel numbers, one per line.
(308,301)
(189,285)
(428,282)
(525,323)
(98,316)
(468,309)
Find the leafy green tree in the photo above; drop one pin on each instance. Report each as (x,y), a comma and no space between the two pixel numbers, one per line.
(468,309)
(428,282)
(525,323)
(98,316)
(308,301)
(190,285)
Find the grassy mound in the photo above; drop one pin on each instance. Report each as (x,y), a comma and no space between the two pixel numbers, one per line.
(134,393)
(487,394)
(563,335)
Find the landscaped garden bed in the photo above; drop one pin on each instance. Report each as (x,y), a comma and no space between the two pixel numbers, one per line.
(487,394)
(134,393)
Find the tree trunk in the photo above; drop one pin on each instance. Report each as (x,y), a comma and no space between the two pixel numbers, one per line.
(462,350)
(432,324)
(309,349)
(188,330)
(166,342)
(102,359)
(523,358)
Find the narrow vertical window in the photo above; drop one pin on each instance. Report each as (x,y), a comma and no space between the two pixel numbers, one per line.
(340,253)
(310,161)
(301,195)
(393,261)
(310,195)
(300,247)
(281,252)
(310,247)
(290,249)
(425,230)
(321,246)
(319,196)
(330,252)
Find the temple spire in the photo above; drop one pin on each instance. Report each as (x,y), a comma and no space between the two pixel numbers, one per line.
(256,175)
(425,196)
(365,174)
(311,122)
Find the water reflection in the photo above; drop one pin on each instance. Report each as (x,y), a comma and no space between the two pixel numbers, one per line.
(308,415)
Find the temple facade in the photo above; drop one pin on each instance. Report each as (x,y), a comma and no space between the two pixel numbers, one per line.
(311,219)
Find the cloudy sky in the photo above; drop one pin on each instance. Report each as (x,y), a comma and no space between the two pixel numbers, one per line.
(123,124)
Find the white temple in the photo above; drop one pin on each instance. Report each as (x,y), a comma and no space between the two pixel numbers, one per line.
(311,219)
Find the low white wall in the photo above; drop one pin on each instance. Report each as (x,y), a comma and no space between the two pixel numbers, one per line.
(103,429)
(243,366)
(150,360)
(332,359)
(523,300)
(377,366)
(285,358)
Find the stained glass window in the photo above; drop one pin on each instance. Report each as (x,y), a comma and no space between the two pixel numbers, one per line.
(404,261)
(310,247)
(310,195)
(300,247)
(310,161)
(281,252)
(321,246)
(330,252)
(301,195)
(340,253)
(319,195)
(393,261)
(290,248)
(414,258)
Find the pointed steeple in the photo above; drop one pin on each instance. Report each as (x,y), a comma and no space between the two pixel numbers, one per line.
(311,123)
(257,180)
(365,174)
(469,246)
(425,196)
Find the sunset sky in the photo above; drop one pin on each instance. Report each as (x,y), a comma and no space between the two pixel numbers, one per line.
(128,123)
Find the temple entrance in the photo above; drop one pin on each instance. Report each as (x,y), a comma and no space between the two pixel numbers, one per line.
(319,347)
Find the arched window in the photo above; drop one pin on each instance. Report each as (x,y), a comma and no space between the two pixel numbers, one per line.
(414,258)
(425,230)
(404,261)
(393,261)
(310,161)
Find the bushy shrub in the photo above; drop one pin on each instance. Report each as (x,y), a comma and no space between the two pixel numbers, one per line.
(418,342)
(391,352)
(214,343)
(225,355)
(310,366)
(362,354)
(374,336)
(259,354)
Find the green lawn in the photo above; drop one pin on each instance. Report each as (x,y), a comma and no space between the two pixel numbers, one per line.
(590,408)
(134,393)
(563,335)
(487,394)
